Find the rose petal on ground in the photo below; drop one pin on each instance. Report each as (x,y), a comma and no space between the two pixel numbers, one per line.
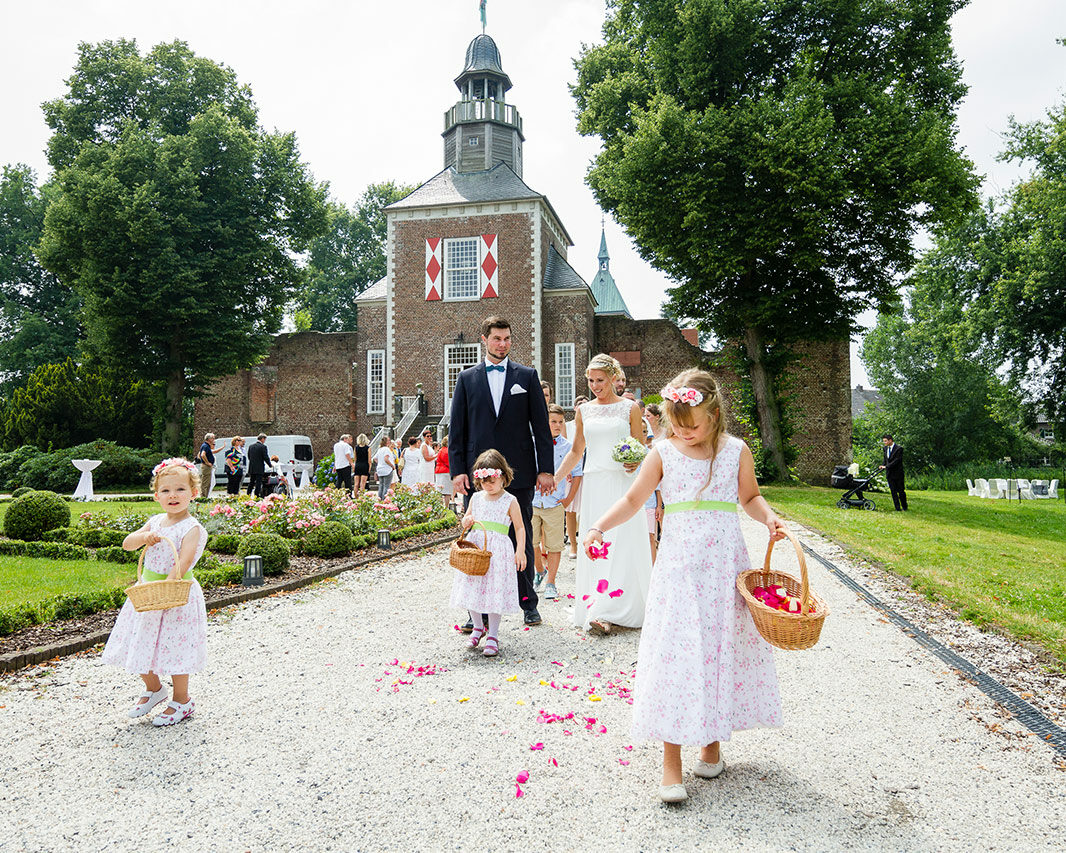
(522,777)
(601,585)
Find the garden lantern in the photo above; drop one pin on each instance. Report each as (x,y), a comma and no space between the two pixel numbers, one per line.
(253,570)
(384,539)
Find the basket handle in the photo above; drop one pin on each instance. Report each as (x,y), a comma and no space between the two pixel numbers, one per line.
(805,593)
(144,550)
(484,530)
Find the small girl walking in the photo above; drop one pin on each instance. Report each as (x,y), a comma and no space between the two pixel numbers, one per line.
(165,642)
(703,670)
(495,592)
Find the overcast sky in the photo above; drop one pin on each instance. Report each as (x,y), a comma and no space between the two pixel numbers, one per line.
(364,85)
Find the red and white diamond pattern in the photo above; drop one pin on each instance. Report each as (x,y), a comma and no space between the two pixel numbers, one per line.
(434,248)
(489,268)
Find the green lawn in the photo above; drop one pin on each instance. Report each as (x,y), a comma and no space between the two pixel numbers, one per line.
(112,508)
(29,579)
(998,564)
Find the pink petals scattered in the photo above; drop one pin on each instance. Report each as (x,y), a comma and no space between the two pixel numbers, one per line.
(520,780)
(624,762)
(614,593)
(599,552)
(601,585)
(553,762)
(536,747)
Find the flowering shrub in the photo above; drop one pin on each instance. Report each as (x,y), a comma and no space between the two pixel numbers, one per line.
(102,521)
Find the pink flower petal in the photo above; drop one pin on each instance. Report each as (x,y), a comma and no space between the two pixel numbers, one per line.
(601,585)
(623,762)
(554,763)
(518,792)
(614,593)
(536,747)
(522,777)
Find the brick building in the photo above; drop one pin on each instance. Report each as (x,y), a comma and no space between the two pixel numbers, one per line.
(471,241)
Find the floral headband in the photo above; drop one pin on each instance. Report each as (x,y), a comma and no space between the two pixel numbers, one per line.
(485,473)
(684,394)
(166,463)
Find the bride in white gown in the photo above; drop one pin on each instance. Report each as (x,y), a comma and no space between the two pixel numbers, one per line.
(600,425)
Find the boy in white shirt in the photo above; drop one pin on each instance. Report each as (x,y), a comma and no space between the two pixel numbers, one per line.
(549,510)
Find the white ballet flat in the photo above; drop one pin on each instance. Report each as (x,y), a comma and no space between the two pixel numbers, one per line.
(709,771)
(180,712)
(153,699)
(673,793)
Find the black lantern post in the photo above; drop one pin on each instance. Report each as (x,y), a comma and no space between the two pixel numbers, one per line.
(384,539)
(253,570)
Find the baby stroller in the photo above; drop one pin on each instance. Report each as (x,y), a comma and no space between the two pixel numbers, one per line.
(276,483)
(843,478)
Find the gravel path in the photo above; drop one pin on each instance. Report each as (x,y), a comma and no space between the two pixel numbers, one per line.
(311,734)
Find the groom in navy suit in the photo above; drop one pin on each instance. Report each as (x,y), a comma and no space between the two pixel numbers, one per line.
(499,404)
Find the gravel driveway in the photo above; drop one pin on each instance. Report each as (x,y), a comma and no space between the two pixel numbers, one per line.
(348,717)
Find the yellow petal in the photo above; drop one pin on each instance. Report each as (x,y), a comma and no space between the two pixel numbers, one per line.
(595,698)
(464,699)
(512,678)
(519,702)
(542,681)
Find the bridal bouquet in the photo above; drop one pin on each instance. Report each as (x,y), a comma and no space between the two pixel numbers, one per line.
(629,451)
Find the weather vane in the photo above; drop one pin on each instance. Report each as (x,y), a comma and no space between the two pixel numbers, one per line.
(482,6)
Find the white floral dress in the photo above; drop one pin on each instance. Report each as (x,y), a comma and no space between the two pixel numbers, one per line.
(166,642)
(497,590)
(703,670)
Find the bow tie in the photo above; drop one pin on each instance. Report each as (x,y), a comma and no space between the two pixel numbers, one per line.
(491,367)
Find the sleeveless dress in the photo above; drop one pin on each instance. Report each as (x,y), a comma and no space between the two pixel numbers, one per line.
(428,474)
(628,563)
(362,461)
(166,642)
(703,670)
(412,466)
(497,590)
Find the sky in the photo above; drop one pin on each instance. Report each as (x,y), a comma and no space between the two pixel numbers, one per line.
(364,85)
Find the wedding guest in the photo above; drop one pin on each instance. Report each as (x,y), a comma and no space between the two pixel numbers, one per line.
(549,510)
(170,642)
(547,389)
(571,511)
(893,469)
(362,464)
(258,459)
(654,416)
(411,469)
(206,457)
(427,473)
(234,466)
(440,472)
(680,697)
(495,592)
(343,463)
(385,467)
(619,383)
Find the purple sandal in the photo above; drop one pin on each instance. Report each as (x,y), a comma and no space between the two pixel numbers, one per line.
(475,638)
(492,647)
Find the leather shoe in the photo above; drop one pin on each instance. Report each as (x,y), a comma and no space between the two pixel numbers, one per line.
(673,793)
(532,617)
(469,626)
(709,771)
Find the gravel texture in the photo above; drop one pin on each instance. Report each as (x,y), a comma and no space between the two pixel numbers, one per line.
(310,734)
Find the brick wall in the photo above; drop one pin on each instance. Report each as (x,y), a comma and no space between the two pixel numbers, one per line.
(655,350)
(819,403)
(421,329)
(568,319)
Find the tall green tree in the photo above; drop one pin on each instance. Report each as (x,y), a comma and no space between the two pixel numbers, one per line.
(38,313)
(775,157)
(64,404)
(347,259)
(177,218)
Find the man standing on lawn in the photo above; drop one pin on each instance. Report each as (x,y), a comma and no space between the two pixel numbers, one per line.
(893,469)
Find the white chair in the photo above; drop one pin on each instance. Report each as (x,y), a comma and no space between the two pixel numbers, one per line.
(1025,490)
(983,490)
(997,488)
(971,489)
(1053,490)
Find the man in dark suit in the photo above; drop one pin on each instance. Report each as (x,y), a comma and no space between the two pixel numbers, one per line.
(893,469)
(258,459)
(499,404)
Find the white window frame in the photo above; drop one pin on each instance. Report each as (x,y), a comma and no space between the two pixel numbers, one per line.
(372,356)
(564,380)
(453,244)
(457,366)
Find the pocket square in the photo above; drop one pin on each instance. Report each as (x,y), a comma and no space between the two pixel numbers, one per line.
(517,389)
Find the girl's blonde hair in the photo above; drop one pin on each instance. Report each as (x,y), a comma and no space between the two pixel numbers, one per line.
(362,441)
(492,458)
(682,414)
(175,467)
(606,363)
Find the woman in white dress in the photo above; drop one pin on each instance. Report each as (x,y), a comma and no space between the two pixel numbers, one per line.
(599,425)
(412,463)
(429,458)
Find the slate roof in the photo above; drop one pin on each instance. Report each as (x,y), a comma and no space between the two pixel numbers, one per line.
(559,275)
(378,290)
(608,299)
(861,396)
(500,183)
(483,55)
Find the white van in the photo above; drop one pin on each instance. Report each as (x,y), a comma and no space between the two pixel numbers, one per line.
(288,448)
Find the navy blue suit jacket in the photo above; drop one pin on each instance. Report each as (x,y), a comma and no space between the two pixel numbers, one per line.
(520,432)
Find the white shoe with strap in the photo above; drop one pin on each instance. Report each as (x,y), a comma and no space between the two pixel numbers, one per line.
(151,700)
(175,713)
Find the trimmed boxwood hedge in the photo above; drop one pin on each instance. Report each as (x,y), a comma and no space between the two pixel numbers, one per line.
(272,548)
(329,539)
(224,543)
(35,513)
(93,537)
(49,550)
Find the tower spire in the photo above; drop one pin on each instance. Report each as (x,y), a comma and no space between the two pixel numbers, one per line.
(484,15)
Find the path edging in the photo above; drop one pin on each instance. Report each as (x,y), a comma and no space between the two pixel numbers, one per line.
(17,660)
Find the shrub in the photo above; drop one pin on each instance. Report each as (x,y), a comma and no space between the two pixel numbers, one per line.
(116,554)
(272,548)
(224,543)
(329,539)
(119,466)
(60,534)
(33,514)
(11,461)
(48,550)
(20,491)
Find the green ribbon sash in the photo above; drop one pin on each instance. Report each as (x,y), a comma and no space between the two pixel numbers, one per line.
(689,506)
(493,527)
(148,575)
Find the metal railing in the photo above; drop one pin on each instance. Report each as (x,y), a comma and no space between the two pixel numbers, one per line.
(483,110)
(375,444)
(410,412)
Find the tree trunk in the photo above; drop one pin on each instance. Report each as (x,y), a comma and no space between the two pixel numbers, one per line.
(765,403)
(172,412)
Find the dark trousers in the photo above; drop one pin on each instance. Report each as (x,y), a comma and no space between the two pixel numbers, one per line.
(899,496)
(256,482)
(527,596)
(343,477)
(233,481)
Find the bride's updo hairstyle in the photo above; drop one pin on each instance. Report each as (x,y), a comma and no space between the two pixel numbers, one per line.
(681,412)
(606,363)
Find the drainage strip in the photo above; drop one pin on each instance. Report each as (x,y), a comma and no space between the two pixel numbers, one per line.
(1025,713)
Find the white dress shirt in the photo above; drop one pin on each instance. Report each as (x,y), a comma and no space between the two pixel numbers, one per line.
(497,381)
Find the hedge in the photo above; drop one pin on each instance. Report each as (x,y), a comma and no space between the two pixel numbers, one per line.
(93,537)
(49,550)
(224,543)
(34,513)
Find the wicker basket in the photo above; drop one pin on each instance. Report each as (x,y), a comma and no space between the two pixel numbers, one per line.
(467,557)
(158,595)
(790,631)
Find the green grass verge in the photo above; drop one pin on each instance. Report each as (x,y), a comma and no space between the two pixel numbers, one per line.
(998,564)
(26,580)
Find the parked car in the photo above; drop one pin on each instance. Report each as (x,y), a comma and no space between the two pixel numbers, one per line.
(288,448)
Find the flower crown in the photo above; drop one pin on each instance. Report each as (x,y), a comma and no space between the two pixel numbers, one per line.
(485,473)
(684,394)
(175,460)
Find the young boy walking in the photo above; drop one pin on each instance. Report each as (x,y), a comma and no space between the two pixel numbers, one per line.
(549,510)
